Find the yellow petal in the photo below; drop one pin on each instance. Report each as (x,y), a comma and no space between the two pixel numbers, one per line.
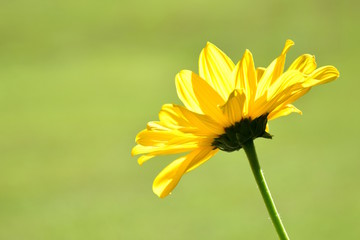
(246,72)
(164,150)
(215,67)
(279,66)
(185,91)
(144,158)
(273,71)
(183,119)
(156,125)
(265,81)
(233,108)
(284,111)
(161,142)
(200,160)
(290,98)
(172,116)
(322,75)
(259,72)
(305,64)
(158,138)
(169,177)
(245,77)
(209,100)
(202,122)
(288,85)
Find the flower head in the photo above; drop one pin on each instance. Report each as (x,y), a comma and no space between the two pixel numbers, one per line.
(225,106)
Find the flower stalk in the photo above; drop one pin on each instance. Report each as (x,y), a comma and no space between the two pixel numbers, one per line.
(264,189)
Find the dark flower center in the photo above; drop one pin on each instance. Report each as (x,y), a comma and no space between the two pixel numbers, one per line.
(238,134)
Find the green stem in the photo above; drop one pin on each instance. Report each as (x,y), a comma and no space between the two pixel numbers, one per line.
(265,192)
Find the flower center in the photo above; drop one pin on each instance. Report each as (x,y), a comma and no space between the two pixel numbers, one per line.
(238,134)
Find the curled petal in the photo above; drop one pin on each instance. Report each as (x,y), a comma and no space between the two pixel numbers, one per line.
(280,61)
(322,75)
(305,64)
(273,71)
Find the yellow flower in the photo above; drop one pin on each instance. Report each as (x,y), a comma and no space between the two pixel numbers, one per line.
(225,106)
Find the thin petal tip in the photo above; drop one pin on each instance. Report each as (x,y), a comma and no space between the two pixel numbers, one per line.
(140,162)
(208,46)
(160,192)
(133,152)
(289,42)
(209,43)
(247,53)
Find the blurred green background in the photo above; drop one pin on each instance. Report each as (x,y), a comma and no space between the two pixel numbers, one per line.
(79,79)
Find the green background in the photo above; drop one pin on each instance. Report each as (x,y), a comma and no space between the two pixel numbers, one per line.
(79,79)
